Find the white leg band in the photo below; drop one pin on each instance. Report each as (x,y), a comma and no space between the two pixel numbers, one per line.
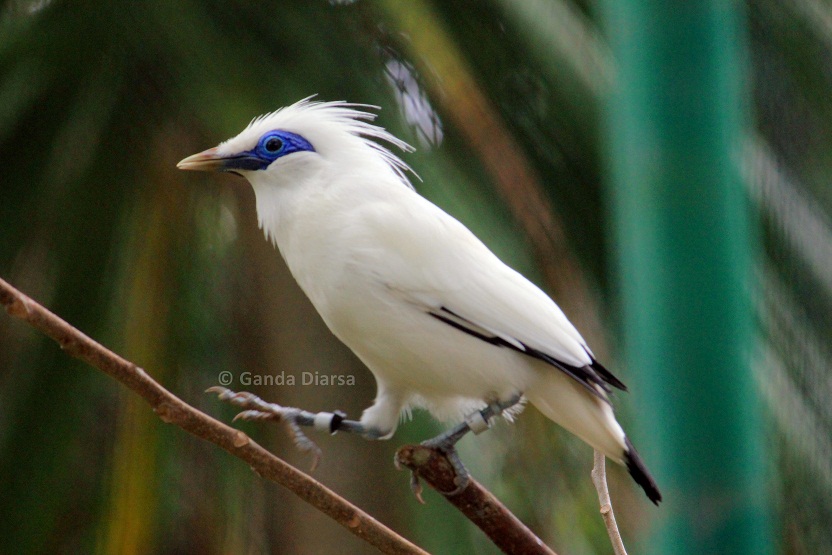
(323,421)
(476,422)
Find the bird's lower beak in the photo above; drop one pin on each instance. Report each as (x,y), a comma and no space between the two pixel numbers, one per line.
(206,161)
(210,161)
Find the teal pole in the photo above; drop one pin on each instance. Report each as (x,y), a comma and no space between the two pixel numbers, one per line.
(684,245)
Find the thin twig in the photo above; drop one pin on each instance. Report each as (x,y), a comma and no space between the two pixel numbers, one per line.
(173,410)
(599,478)
(475,502)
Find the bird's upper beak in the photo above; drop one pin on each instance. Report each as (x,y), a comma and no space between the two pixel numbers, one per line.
(206,161)
(210,161)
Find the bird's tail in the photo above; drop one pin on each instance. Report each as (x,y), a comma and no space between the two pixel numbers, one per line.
(640,473)
(565,402)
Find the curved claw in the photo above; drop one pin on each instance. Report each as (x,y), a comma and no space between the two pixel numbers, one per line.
(258,409)
(462,477)
(461,485)
(222,392)
(416,487)
(254,415)
(300,439)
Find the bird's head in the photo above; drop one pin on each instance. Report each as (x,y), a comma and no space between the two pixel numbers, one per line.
(303,143)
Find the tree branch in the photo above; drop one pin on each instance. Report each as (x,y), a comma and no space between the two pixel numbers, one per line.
(475,502)
(599,478)
(173,410)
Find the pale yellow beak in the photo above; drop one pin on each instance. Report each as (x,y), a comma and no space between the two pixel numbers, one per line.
(206,161)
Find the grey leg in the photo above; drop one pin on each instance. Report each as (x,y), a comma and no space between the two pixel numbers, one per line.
(258,409)
(476,422)
(295,419)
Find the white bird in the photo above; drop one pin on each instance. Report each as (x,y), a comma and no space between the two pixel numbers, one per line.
(440,321)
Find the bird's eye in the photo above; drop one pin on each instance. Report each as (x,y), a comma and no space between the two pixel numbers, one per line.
(276,144)
(273,145)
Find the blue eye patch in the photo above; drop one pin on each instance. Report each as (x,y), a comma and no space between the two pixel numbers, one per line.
(271,146)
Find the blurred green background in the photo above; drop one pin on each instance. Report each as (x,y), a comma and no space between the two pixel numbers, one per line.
(512,108)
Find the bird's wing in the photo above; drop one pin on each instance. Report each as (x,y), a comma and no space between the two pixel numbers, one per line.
(437,264)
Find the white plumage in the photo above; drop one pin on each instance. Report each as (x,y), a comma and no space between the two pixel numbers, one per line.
(440,321)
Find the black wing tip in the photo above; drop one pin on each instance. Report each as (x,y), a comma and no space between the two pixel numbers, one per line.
(640,473)
(593,377)
(607,376)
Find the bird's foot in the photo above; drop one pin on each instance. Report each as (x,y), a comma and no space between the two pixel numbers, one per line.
(256,408)
(446,444)
(476,422)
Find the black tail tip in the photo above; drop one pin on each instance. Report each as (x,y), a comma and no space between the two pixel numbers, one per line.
(640,474)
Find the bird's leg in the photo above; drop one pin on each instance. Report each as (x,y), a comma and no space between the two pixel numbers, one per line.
(476,422)
(295,419)
(258,409)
